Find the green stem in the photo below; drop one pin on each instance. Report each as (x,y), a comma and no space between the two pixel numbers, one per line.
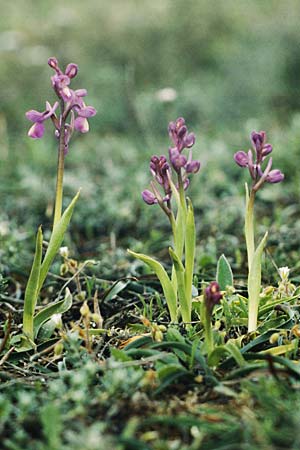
(181,193)
(249,225)
(190,244)
(208,332)
(60,171)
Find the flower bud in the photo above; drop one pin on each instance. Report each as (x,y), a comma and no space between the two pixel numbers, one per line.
(64,252)
(58,348)
(212,295)
(275,176)
(241,158)
(71,70)
(149,197)
(85,310)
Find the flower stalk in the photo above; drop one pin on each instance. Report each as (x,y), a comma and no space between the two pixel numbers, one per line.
(212,297)
(60,172)
(254,160)
(71,106)
(178,287)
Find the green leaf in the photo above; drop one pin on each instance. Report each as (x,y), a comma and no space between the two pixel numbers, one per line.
(54,308)
(184,303)
(224,273)
(165,282)
(56,239)
(254,285)
(229,348)
(190,244)
(32,288)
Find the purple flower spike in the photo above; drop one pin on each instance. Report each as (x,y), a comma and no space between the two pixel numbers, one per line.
(159,168)
(212,296)
(181,164)
(241,158)
(254,159)
(275,176)
(72,106)
(149,197)
(178,132)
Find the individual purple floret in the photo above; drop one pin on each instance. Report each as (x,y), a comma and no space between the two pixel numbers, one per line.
(162,170)
(72,105)
(260,151)
(212,296)
(38,128)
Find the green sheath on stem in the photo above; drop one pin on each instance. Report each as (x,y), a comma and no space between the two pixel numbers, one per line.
(32,288)
(249,224)
(190,243)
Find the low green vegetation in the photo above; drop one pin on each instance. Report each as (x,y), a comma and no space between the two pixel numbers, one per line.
(191,339)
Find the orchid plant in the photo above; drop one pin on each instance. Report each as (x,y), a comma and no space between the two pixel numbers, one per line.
(253,160)
(168,190)
(67,114)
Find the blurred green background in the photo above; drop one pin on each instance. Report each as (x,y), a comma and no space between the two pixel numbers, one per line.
(232,66)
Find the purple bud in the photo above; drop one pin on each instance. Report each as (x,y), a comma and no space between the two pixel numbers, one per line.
(34,116)
(81,92)
(71,70)
(192,166)
(267,149)
(182,132)
(87,111)
(241,158)
(177,159)
(189,140)
(81,124)
(275,176)
(37,130)
(179,122)
(186,184)
(258,140)
(149,197)
(52,62)
(212,296)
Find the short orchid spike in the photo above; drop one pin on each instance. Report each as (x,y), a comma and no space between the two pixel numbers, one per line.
(254,158)
(72,105)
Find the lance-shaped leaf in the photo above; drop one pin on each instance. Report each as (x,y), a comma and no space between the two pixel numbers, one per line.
(224,273)
(32,288)
(165,282)
(54,308)
(190,243)
(229,348)
(254,285)
(184,304)
(56,239)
